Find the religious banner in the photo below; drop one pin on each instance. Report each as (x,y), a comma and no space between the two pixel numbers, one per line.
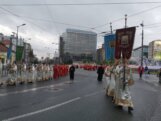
(19,53)
(124,42)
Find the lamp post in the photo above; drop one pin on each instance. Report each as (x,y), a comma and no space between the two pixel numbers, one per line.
(142,25)
(17,37)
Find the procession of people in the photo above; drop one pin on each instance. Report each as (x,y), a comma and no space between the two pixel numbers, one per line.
(117,84)
(21,73)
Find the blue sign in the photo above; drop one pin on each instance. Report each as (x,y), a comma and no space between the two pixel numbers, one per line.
(109,45)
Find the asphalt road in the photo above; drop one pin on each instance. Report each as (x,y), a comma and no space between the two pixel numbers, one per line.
(83,100)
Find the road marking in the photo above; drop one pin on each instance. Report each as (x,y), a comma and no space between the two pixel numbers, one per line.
(71,82)
(94,93)
(54,89)
(30,90)
(42,110)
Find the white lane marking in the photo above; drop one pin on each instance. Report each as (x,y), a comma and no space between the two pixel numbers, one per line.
(54,90)
(42,110)
(30,90)
(94,93)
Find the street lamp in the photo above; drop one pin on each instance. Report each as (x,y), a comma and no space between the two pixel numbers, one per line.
(142,25)
(17,37)
(17,32)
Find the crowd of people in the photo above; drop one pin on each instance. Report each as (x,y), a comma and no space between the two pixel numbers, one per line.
(117,84)
(21,73)
(60,71)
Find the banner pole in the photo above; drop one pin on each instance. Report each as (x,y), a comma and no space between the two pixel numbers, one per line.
(123,58)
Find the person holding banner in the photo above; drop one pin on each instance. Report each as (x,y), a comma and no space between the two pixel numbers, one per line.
(122,96)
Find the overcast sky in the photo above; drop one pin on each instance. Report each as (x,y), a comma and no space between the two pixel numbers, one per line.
(45,23)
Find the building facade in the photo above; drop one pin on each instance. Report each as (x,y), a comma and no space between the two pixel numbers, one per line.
(27,53)
(137,52)
(155,50)
(78,45)
(3,52)
(101,54)
(13,53)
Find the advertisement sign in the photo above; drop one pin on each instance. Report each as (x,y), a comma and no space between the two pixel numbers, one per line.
(124,42)
(109,46)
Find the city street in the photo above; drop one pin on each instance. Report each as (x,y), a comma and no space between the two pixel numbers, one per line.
(82,100)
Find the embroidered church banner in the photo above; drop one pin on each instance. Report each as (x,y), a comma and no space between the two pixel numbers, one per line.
(124,42)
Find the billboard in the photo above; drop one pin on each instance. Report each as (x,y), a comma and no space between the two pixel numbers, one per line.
(109,46)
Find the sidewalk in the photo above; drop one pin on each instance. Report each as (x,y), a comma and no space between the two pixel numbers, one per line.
(149,78)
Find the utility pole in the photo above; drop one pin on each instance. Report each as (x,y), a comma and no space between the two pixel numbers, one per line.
(17,38)
(142,25)
(125,20)
(110,43)
(111,27)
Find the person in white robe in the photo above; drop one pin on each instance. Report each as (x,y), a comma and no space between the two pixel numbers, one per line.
(122,96)
(107,79)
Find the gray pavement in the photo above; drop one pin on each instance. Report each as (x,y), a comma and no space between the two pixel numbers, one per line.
(149,78)
(83,100)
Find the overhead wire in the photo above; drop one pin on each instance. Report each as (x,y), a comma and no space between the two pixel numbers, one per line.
(52,21)
(84,4)
(51,16)
(16,15)
(129,16)
(91,28)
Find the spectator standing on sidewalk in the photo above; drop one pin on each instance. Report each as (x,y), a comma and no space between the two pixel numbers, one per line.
(146,71)
(140,71)
(160,76)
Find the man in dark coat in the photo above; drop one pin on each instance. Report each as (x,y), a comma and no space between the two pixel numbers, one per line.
(71,72)
(100,72)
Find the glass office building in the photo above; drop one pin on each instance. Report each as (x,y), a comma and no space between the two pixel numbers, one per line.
(79,44)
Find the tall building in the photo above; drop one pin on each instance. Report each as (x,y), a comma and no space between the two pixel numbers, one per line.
(155,50)
(26,53)
(78,45)
(101,54)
